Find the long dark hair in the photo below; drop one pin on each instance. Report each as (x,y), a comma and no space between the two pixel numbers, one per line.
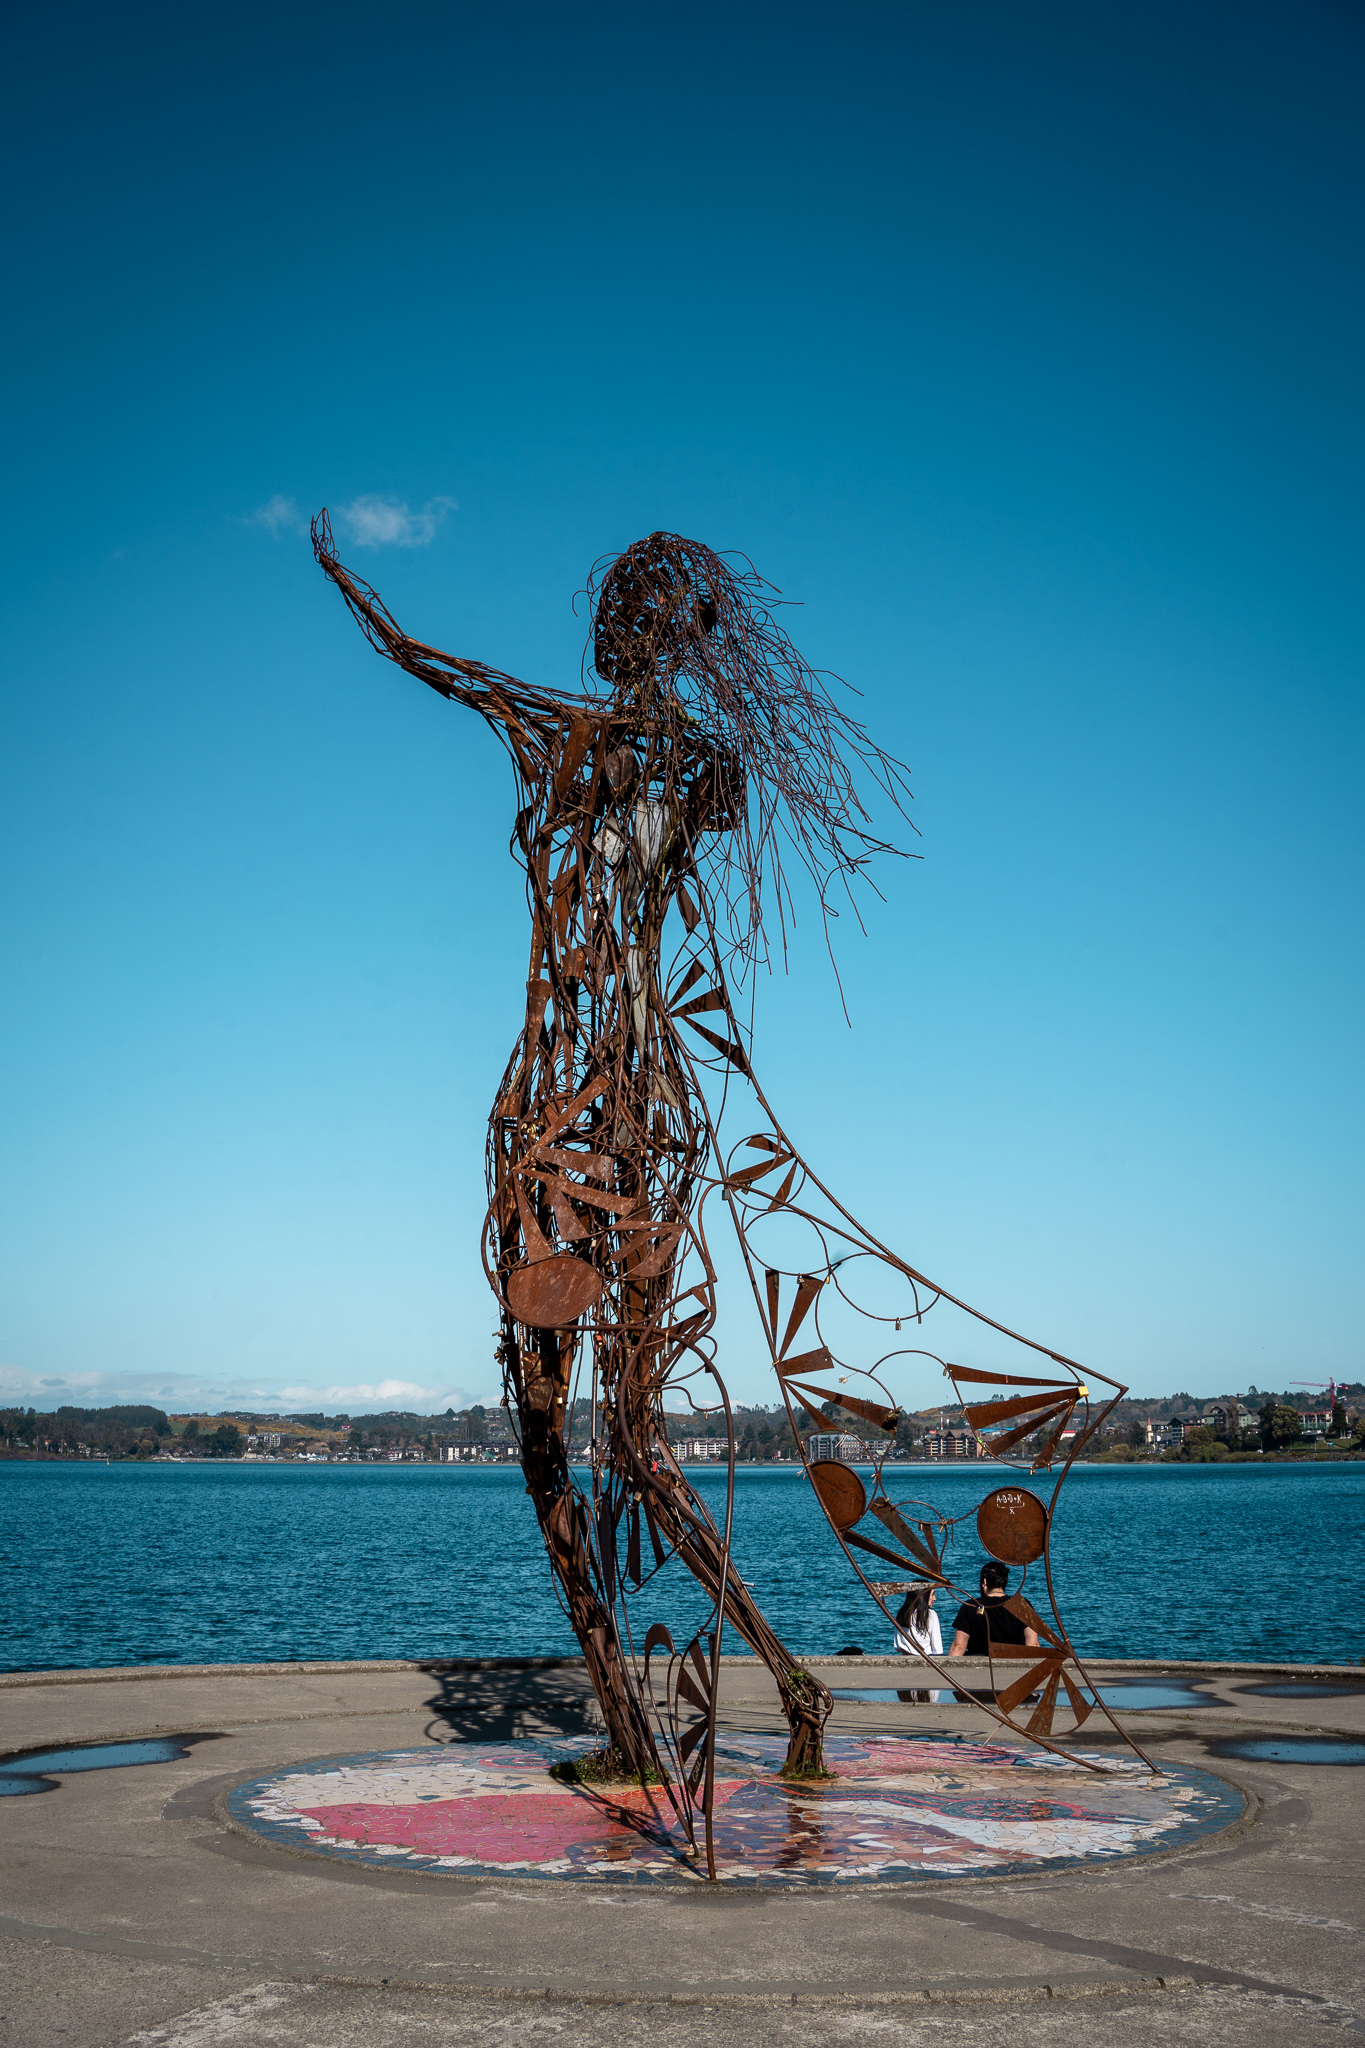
(913,1612)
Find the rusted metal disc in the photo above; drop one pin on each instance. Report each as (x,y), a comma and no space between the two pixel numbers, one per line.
(553,1292)
(842,1495)
(1012,1525)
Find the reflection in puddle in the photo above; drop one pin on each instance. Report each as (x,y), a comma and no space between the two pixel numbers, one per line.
(24,1774)
(1290,1749)
(1132,1696)
(874,1695)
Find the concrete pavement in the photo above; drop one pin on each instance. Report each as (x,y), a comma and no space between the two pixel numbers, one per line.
(129,1910)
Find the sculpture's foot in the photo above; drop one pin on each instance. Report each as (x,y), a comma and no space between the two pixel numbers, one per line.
(605,1767)
(805,1773)
(807,1705)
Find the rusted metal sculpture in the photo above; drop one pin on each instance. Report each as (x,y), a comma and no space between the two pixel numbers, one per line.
(654,816)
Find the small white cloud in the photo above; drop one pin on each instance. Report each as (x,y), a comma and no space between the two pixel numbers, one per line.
(377,522)
(279,515)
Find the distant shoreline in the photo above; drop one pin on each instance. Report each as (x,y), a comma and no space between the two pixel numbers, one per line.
(1241,1460)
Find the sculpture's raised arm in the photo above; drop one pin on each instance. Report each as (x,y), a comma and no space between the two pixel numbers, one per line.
(527,719)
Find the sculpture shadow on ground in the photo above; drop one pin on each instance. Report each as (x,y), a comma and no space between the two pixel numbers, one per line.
(472,1703)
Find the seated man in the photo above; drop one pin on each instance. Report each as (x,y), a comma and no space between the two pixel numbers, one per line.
(978,1624)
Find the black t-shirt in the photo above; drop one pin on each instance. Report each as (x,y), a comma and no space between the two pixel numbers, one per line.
(977,1618)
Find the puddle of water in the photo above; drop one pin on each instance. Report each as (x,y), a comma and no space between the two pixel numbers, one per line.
(1303,1691)
(1290,1749)
(1134,1698)
(1138,1698)
(874,1695)
(24,1774)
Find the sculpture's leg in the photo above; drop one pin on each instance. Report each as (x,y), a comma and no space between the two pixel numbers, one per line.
(539,1378)
(805,1702)
(539,1375)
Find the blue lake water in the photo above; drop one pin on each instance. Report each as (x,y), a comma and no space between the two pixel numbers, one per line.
(225,1563)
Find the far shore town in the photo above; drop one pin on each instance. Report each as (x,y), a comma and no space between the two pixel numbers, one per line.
(1310,1420)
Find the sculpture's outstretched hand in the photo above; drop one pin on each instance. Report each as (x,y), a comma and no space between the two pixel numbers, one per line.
(499,698)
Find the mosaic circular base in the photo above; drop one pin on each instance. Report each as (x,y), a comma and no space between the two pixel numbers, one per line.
(896,1810)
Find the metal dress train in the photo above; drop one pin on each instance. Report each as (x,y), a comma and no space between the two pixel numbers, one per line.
(648,824)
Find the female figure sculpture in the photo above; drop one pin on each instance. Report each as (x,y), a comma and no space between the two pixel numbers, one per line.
(652,816)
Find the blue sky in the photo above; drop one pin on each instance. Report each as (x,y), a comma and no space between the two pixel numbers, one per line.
(1019,343)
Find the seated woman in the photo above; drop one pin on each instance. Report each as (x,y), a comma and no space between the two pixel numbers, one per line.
(918,1632)
(981,1624)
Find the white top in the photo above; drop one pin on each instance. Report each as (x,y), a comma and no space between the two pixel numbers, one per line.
(911,1643)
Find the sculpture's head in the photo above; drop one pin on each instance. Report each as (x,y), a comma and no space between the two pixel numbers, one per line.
(657,606)
(687,643)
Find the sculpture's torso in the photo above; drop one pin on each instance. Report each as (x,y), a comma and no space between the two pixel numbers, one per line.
(598,1132)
